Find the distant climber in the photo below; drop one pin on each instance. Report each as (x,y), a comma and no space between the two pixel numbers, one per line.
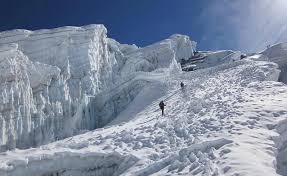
(268,46)
(162,105)
(181,85)
(242,56)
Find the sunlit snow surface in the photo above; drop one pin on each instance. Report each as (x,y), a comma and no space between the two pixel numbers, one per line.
(230,119)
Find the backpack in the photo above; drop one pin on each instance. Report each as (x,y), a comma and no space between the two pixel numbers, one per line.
(161,104)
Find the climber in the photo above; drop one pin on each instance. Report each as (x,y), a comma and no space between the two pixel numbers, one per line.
(162,105)
(242,56)
(181,85)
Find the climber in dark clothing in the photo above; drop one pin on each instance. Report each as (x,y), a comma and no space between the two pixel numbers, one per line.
(181,85)
(162,105)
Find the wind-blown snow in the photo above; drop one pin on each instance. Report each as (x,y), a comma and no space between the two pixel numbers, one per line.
(229,119)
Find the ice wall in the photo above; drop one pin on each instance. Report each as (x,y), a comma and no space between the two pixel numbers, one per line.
(46,81)
(51,79)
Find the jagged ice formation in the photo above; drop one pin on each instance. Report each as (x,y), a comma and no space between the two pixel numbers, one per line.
(51,79)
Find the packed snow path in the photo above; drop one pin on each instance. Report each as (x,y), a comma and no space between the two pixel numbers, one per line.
(222,123)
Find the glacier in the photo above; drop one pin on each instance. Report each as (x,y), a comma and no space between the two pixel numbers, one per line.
(77,103)
(54,79)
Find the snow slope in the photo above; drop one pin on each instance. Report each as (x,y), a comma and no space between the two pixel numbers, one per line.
(222,123)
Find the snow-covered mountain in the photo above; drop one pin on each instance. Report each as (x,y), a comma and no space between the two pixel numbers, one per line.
(51,77)
(98,99)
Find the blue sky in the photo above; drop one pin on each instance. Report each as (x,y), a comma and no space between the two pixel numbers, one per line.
(247,25)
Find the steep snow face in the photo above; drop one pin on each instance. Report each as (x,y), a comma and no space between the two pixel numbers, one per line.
(54,80)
